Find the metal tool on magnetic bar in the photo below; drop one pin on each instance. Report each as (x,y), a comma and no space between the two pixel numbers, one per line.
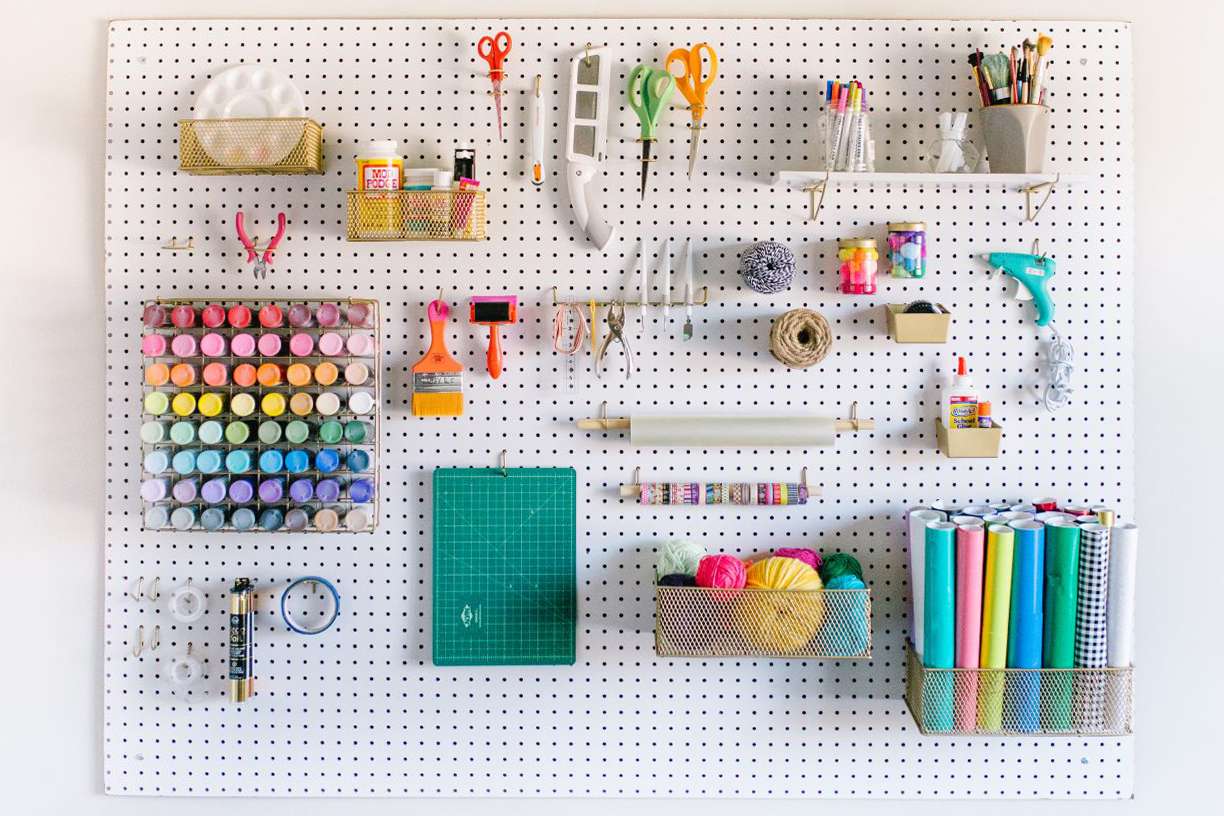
(729,431)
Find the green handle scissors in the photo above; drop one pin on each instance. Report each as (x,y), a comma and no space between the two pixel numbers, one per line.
(649,91)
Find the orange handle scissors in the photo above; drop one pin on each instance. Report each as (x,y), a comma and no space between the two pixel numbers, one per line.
(694,82)
(494,51)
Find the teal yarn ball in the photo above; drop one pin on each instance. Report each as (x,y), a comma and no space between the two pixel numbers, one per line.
(679,556)
(840,564)
(846,581)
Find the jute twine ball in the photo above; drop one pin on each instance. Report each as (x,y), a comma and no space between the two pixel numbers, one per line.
(800,338)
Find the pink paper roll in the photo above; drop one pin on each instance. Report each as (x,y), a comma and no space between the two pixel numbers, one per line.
(970,557)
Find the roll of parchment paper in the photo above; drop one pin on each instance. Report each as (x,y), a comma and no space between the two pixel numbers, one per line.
(731,431)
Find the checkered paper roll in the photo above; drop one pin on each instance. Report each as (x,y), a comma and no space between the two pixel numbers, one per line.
(1091,643)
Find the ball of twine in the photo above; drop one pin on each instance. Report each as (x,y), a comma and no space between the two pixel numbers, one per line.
(800,338)
(767,267)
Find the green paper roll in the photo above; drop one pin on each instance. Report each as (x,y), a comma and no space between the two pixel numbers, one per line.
(996,604)
(939,621)
(1062,545)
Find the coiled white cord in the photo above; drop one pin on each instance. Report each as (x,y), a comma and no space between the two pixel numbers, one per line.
(560,329)
(1059,368)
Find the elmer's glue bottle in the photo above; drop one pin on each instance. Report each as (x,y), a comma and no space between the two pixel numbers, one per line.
(961,402)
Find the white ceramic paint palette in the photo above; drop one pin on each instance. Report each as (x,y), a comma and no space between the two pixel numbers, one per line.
(249,92)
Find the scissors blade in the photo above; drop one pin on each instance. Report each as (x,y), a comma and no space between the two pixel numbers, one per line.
(497,99)
(645,164)
(694,141)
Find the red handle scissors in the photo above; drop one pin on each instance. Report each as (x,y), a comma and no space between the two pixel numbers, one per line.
(493,50)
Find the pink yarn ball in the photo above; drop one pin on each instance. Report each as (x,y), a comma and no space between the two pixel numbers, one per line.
(809,557)
(721,572)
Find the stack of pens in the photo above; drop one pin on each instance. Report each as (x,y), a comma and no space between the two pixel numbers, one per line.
(1012,79)
(1023,619)
(847,128)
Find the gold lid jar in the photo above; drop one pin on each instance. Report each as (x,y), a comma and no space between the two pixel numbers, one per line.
(856,243)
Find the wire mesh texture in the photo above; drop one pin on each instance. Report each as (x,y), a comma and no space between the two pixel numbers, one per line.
(416,215)
(254,444)
(704,622)
(984,702)
(235,147)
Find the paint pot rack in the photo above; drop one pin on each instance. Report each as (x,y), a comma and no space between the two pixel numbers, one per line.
(828,624)
(919,327)
(968,443)
(1028,702)
(254,446)
(417,215)
(240,147)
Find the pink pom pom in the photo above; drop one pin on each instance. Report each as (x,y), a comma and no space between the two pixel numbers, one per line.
(721,572)
(809,557)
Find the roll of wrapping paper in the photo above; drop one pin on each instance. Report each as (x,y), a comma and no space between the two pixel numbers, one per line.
(1120,612)
(1090,626)
(996,606)
(771,493)
(731,431)
(1062,544)
(970,559)
(918,519)
(1024,630)
(939,618)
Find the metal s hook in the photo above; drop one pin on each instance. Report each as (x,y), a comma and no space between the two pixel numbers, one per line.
(854,417)
(503,461)
(637,476)
(587,59)
(135,596)
(603,414)
(154,590)
(139,647)
(803,476)
(155,641)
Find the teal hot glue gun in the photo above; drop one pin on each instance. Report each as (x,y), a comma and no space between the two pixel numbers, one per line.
(1031,272)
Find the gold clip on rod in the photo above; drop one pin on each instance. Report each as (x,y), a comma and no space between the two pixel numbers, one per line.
(173,246)
(1030,214)
(704,300)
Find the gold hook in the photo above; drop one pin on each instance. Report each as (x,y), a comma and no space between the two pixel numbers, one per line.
(819,187)
(854,418)
(135,596)
(172,246)
(1030,214)
(587,59)
(554,295)
(603,414)
(155,641)
(538,80)
(139,647)
(154,590)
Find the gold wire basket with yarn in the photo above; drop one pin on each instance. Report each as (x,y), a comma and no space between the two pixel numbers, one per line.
(832,624)
(990,702)
(238,147)
(416,215)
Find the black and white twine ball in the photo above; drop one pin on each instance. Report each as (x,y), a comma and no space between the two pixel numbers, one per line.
(767,267)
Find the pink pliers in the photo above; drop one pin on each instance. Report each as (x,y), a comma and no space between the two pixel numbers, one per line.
(261,262)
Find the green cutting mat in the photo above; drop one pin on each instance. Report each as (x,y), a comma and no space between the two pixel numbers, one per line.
(504,574)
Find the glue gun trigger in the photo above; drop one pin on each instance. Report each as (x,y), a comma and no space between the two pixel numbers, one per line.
(1022,292)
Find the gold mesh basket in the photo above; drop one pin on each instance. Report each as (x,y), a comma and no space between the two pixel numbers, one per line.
(1084,702)
(797,624)
(416,215)
(235,147)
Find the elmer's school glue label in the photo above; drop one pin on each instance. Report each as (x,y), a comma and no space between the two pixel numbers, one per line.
(962,412)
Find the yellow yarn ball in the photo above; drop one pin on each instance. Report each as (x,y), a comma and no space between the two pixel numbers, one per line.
(786,618)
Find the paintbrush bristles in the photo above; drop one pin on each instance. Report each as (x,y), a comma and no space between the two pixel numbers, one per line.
(424,405)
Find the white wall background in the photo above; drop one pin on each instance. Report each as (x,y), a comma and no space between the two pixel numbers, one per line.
(53,95)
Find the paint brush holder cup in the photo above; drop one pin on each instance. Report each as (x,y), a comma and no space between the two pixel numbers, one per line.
(795,624)
(416,215)
(237,147)
(1015,137)
(1028,702)
(968,443)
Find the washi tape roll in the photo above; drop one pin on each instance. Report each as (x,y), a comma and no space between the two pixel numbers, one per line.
(300,626)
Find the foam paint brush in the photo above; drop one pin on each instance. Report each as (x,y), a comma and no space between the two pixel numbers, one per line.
(437,380)
(494,311)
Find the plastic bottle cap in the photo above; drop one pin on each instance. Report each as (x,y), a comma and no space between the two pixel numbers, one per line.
(961,368)
(183,345)
(214,374)
(184,404)
(152,432)
(182,375)
(268,374)
(242,345)
(156,402)
(182,433)
(269,432)
(244,375)
(301,404)
(298,374)
(361,402)
(243,518)
(271,316)
(381,149)
(983,409)
(269,345)
(242,404)
(157,374)
(153,345)
(213,316)
(331,432)
(297,432)
(273,404)
(360,345)
(328,314)
(212,345)
(211,404)
(211,432)
(356,373)
(331,344)
(241,491)
(157,461)
(326,373)
(301,344)
(239,316)
(327,403)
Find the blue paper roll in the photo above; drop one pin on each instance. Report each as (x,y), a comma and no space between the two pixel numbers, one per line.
(939,622)
(1024,632)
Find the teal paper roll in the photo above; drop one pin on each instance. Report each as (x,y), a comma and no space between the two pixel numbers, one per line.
(939,623)
(1062,545)
(1024,632)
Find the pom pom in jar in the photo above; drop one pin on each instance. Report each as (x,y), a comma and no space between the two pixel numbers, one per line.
(859,261)
(767,267)
(721,572)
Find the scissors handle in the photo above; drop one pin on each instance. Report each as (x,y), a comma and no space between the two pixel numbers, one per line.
(648,92)
(495,49)
(694,82)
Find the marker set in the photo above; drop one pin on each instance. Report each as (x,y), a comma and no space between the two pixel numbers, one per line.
(260,416)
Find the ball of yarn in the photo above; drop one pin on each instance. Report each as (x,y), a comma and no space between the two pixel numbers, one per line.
(846,581)
(782,573)
(921,307)
(721,572)
(679,556)
(781,622)
(677,579)
(767,267)
(809,557)
(840,564)
(800,338)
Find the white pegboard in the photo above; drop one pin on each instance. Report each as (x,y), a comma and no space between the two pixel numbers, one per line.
(361,710)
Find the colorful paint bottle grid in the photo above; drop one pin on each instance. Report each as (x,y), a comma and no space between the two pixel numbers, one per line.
(260,416)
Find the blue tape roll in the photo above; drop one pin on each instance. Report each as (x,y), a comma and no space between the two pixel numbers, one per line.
(294,625)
